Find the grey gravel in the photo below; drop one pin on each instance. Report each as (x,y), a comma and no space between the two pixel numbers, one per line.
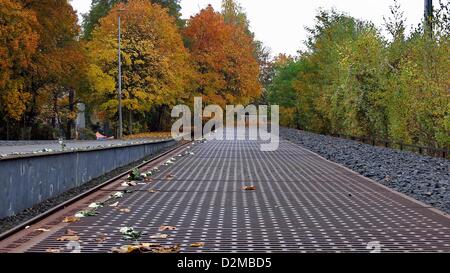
(421,177)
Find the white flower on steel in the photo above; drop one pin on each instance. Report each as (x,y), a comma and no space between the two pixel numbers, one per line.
(118,194)
(94,206)
(126,230)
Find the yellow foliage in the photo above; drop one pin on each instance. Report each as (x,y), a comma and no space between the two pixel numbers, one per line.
(15,103)
(155,65)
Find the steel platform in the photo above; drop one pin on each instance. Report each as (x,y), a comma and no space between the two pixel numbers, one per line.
(302,203)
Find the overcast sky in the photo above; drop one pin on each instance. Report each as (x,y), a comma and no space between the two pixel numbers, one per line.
(280,23)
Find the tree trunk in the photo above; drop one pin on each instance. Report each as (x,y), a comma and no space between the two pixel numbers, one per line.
(7,129)
(70,122)
(130,122)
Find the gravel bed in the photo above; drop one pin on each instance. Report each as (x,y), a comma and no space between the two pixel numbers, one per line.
(421,177)
(12,221)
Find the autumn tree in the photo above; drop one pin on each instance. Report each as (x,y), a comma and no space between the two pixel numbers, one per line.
(101,8)
(18,44)
(224,58)
(156,67)
(234,14)
(56,68)
(43,66)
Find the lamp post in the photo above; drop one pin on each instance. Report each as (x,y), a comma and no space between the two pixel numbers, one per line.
(429,15)
(120,134)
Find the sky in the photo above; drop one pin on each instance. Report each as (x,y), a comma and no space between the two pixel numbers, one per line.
(280,24)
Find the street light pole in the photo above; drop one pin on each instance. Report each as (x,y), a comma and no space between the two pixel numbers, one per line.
(120,135)
(429,15)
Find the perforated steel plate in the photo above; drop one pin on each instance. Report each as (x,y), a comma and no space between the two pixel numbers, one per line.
(302,203)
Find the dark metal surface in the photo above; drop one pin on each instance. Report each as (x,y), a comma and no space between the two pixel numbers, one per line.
(302,203)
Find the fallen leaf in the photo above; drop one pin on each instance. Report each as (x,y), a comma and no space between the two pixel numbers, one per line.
(68,238)
(170,176)
(151,245)
(200,244)
(70,232)
(101,239)
(149,180)
(126,249)
(249,188)
(167,249)
(71,219)
(142,248)
(43,230)
(53,250)
(159,236)
(164,228)
(125,210)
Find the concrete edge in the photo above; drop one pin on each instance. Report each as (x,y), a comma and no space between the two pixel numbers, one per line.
(22,156)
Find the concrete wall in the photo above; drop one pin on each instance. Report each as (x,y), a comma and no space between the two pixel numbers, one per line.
(27,181)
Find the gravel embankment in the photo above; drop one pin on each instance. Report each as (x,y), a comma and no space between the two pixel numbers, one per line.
(421,177)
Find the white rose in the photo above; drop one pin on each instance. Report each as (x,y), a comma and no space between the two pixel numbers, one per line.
(118,195)
(94,206)
(79,215)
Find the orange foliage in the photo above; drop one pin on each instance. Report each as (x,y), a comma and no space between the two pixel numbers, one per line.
(18,41)
(224,58)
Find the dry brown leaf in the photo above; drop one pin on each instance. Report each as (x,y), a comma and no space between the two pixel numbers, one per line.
(70,232)
(126,249)
(167,249)
(151,245)
(68,238)
(101,239)
(164,228)
(53,250)
(249,188)
(148,180)
(43,230)
(199,244)
(159,236)
(71,219)
(142,248)
(170,177)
